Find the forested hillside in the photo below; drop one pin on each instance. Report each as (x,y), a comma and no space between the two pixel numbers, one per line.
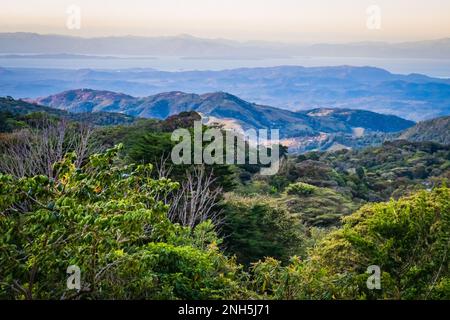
(114,226)
(107,199)
(436,130)
(16,113)
(224,106)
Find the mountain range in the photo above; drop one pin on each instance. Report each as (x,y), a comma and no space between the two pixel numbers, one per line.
(415,97)
(317,129)
(190,46)
(300,129)
(225,106)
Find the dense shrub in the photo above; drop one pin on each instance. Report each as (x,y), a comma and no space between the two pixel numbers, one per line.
(110,221)
(408,239)
(300,189)
(255,228)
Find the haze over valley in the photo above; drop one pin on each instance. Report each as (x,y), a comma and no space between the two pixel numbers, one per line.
(415,97)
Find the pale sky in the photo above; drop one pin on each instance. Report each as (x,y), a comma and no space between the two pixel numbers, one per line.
(269,20)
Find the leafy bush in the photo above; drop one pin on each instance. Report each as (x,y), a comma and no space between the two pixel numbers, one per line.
(300,189)
(408,239)
(397,168)
(110,221)
(255,228)
(323,208)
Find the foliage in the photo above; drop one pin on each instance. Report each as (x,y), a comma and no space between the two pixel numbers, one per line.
(408,239)
(156,147)
(258,227)
(300,189)
(373,174)
(151,148)
(8,122)
(313,206)
(109,220)
(294,232)
(324,207)
(436,130)
(20,113)
(343,181)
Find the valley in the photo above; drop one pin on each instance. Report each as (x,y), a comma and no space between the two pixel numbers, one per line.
(414,97)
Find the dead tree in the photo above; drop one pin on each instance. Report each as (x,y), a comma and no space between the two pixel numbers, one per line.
(33,151)
(197,199)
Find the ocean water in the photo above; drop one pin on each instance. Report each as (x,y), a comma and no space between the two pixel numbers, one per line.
(432,67)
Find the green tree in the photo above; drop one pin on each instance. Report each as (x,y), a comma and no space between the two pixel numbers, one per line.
(255,228)
(408,239)
(110,221)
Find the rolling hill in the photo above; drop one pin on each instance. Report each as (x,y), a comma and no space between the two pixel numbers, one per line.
(317,129)
(435,130)
(323,129)
(224,106)
(20,108)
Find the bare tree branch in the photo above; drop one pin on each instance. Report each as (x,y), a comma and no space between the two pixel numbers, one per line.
(33,151)
(196,200)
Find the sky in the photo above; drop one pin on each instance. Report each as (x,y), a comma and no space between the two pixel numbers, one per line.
(263,20)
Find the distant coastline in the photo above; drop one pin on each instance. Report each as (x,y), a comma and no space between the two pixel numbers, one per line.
(71,56)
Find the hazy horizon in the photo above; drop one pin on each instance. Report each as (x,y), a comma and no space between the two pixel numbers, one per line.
(243,41)
(269,20)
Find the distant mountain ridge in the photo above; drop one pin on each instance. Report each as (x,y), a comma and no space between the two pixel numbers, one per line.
(414,97)
(190,46)
(224,106)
